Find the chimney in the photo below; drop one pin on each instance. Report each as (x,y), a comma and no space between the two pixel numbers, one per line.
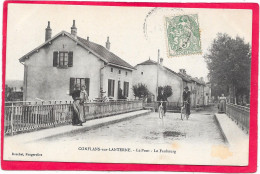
(48,32)
(161,61)
(87,38)
(183,71)
(74,29)
(108,44)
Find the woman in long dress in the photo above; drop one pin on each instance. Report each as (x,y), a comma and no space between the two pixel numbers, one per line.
(222,104)
(77,111)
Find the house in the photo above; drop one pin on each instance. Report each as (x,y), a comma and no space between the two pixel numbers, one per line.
(52,69)
(207,94)
(146,73)
(196,87)
(187,81)
(198,91)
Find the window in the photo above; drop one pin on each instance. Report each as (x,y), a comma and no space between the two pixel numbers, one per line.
(81,81)
(111,87)
(119,71)
(142,73)
(126,89)
(126,73)
(62,59)
(112,69)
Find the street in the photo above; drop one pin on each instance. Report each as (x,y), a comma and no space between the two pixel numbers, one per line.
(200,128)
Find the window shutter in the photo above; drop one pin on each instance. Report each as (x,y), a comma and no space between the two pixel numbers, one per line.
(124,88)
(72,84)
(109,87)
(70,63)
(55,58)
(87,84)
(113,87)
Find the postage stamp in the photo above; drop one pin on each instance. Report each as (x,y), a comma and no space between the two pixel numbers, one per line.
(183,35)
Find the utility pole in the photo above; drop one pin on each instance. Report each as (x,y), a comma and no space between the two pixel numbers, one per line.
(157,92)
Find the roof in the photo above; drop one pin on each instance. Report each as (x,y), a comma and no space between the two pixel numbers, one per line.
(197,81)
(185,77)
(98,50)
(105,53)
(151,62)
(148,62)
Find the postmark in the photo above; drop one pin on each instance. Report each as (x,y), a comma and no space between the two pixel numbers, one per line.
(183,35)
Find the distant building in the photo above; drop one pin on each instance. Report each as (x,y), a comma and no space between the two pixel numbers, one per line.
(146,73)
(196,87)
(207,92)
(52,69)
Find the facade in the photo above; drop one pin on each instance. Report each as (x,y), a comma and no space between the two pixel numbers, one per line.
(52,69)
(207,94)
(146,73)
(198,91)
(187,81)
(197,88)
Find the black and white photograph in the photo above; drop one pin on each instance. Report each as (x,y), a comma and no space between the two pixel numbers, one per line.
(125,84)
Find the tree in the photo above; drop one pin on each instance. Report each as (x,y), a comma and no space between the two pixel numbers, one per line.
(229,64)
(167,90)
(140,90)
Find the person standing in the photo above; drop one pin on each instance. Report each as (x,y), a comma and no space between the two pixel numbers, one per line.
(76,117)
(186,98)
(222,104)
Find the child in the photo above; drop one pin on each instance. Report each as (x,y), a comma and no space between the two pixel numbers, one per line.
(83,94)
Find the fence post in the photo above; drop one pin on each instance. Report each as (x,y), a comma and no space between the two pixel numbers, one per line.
(12,115)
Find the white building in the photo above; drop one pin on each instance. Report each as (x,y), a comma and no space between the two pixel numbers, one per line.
(52,69)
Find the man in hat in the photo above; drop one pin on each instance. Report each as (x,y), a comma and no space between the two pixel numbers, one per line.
(161,97)
(186,98)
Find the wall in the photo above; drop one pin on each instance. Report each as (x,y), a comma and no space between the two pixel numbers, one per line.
(51,83)
(107,74)
(207,90)
(168,78)
(149,78)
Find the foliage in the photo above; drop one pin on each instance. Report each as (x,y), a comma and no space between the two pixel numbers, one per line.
(140,90)
(229,61)
(167,90)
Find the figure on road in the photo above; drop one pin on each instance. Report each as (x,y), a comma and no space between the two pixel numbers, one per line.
(186,98)
(161,97)
(222,104)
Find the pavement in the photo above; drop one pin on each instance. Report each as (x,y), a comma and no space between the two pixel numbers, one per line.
(200,128)
(64,130)
(205,138)
(233,134)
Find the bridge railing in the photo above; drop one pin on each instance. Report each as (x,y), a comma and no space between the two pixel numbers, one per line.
(239,114)
(28,117)
(171,106)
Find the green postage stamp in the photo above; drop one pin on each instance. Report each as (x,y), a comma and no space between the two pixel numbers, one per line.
(183,35)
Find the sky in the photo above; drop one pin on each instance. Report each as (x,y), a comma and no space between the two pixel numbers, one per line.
(136,33)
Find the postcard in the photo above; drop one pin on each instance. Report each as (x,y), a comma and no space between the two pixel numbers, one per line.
(130,86)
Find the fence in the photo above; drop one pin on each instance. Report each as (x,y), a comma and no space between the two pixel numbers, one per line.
(171,106)
(239,114)
(27,117)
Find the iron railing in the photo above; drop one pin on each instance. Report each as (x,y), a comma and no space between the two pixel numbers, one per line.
(21,117)
(171,106)
(239,114)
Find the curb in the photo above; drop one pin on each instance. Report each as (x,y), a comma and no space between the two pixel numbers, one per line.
(221,130)
(95,126)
